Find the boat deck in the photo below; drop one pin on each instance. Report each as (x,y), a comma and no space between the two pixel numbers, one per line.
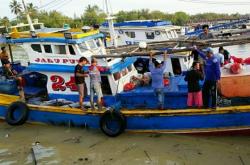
(144,97)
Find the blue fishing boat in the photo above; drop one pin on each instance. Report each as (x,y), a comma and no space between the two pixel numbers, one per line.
(51,92)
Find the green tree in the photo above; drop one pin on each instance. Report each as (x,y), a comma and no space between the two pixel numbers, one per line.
(180,18)
(93,15)
(53,18)
(156,14)
(32,9)
(15,7)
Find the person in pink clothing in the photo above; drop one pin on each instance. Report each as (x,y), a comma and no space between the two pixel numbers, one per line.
(193,77)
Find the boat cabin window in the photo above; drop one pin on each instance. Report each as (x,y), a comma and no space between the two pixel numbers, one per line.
(36,48)
(91,44)
(185,59)
(117,75)
(47,48)
(172,34)
(169,35)
(130,34)
(176,66)
(105,85)
(130,68)
(150,35)
(60,49)
(97,41)
(124,72)
(83,47)
(71,50)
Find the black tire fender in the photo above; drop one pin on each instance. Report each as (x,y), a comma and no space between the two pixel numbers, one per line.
(141,65)
(112,116)
(17,106)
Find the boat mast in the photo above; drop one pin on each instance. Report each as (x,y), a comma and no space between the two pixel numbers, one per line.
(32,29)
(111,25)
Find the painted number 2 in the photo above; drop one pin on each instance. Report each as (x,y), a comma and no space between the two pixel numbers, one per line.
(60,85)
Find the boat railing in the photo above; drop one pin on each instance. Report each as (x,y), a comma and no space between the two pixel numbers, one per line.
(56,33)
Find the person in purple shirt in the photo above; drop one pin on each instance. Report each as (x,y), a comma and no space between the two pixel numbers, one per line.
(157,71)
(212,76)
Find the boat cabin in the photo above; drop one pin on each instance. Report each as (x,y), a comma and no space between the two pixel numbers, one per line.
(55,54)
(133,32)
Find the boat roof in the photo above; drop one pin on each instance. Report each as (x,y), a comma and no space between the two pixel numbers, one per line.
(140,23)
(58,35)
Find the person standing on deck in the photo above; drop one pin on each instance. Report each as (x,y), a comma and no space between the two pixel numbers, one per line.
(205,35)
(95,83)
(4,55)
(226,55)
(80,80)
(157,72)
(212,76)
(193,77)
(220,58)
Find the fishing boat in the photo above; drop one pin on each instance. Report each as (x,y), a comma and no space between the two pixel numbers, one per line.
(144,31)
(51,92)
(133,32)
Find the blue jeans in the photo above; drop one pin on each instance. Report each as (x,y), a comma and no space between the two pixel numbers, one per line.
(160,95)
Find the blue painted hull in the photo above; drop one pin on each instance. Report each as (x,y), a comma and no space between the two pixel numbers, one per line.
(189,122)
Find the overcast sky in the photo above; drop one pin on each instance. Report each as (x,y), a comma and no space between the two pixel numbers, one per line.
(71,7)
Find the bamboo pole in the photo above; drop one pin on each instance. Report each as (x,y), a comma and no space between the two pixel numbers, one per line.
(171,51)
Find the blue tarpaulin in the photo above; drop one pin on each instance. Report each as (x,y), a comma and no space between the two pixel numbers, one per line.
(2,40)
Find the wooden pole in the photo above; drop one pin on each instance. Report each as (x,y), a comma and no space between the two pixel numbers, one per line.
(171,51)
(11,55)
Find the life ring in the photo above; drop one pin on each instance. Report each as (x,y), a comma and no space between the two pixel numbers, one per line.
(17,113)
(112,123)
(120,31)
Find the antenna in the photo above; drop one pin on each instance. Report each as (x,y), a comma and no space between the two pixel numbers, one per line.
(32,29)
(111,25)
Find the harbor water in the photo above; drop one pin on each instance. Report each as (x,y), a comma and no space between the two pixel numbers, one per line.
(48,145)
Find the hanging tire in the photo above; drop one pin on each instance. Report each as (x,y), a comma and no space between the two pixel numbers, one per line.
(112,123)
(141,65)
(17,113)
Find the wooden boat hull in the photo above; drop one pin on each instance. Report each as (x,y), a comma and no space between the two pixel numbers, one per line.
(186,121)
(235,86)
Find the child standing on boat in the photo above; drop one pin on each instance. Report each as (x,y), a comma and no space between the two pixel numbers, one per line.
(95,83)
(193,77)
(157,72)
(80,80)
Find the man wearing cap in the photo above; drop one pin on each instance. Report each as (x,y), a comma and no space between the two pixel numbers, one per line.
(95,83)
(212,76)
(157,72)
(80,75)
(4,56)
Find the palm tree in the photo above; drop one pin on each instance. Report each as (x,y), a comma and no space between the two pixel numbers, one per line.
(5,21)
(15,7)
(32,9)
